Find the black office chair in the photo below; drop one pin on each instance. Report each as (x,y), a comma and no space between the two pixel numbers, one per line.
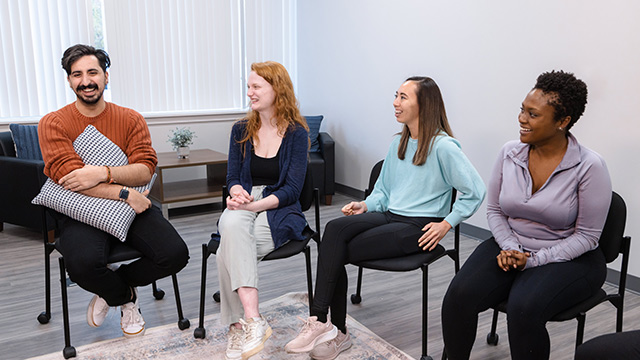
(612,242)
(420,260)
(119,252)
(308,196)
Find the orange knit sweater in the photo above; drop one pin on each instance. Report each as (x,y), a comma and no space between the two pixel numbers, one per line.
(125,127)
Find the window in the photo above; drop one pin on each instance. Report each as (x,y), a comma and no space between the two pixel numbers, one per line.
(168,56)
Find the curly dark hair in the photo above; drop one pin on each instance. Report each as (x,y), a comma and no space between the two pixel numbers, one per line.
(72,54)
(568,94)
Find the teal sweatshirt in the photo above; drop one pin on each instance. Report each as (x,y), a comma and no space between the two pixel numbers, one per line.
(409,190)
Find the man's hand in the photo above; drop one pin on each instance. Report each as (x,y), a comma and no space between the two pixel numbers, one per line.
(354,208)
(138,201)
(512,259)
(433,233)
(84,178)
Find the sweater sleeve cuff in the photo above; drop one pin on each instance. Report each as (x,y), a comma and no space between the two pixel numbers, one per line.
(453,219)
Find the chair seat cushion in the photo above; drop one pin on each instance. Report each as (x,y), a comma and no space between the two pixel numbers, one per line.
(290,248)
(572,312)
(404,263)
(583,307)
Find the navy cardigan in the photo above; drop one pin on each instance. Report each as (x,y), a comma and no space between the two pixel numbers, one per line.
(287,220)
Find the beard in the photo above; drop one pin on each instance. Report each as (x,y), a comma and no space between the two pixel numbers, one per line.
(89,100)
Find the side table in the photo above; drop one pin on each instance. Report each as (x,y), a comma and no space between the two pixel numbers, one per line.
(205,190)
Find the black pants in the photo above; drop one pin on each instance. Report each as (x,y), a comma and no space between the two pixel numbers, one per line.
(356,238)
(86,250)
(622,345)
(535,296)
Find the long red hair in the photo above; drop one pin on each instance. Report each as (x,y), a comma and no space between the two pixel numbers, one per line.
(286,111)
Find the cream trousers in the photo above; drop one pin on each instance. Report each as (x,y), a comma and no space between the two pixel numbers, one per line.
(245,238)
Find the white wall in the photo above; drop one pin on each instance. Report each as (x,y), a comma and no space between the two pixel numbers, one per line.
(485,56)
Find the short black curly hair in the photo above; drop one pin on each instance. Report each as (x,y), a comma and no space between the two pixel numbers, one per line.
(568,94)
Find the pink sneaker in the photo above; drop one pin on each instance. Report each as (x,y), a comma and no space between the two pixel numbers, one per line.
(313,332)
(329,350)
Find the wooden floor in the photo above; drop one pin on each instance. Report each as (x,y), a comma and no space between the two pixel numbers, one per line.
(391,305)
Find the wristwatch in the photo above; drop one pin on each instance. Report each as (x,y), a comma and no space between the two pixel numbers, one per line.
(124,193)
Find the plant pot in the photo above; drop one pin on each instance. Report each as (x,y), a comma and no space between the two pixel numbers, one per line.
(183,152)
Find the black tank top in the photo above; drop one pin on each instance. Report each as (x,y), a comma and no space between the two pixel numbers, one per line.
(265,171)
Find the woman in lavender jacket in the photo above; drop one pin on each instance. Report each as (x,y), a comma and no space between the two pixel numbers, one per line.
(548,199)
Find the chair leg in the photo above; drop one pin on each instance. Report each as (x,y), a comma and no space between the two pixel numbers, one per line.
(328,199)
(492,337)
(157,293)
(307,255)
(183,323)
(45,316)
(200,332)
(356,298)
(68,351)
(618,302)
(580,332)
(425,311)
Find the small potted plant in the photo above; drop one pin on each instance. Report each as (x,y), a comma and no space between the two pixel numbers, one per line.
(181,138)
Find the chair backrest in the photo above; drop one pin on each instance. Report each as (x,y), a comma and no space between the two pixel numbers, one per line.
(7,148)
(611,239)
(375,173)
(306,195)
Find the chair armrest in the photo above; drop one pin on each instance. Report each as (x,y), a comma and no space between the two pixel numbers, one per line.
(327,149)
(20,181)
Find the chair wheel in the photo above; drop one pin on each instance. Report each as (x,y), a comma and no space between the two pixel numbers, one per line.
(158,294)
(69,352)
(356,299)
(492,339)
(183,324)
(44,318)
(216,296)
(199,333)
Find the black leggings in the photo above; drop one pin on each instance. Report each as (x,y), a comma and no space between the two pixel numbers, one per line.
(356,238)
(535,296)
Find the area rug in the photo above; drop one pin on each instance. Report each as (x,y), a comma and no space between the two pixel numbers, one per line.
(168,342)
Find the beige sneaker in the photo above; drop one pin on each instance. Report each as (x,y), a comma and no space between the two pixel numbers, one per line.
(329,350)
(313,332)
(256,332)
(131,320)
(97,311)
(234,343)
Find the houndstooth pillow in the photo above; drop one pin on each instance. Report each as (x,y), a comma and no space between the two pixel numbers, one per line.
(111,216)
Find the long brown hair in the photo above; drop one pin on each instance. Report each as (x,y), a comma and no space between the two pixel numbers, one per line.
(432,119)
(286,111)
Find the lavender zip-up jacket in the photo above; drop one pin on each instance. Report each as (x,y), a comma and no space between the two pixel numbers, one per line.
(563,219)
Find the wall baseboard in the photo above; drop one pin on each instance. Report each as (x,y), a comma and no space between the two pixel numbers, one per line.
(348,190)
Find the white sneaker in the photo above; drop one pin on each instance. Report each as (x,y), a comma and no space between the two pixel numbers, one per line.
(234,343)
(97,311)
(256,332)
(131,320)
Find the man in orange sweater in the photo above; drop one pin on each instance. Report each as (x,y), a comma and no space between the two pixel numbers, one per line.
(85,247)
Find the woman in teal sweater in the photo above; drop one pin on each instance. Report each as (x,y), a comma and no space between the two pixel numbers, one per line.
(408,211)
